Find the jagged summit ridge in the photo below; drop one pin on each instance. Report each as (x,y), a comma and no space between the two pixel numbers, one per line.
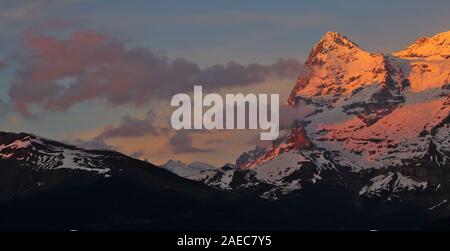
(435,47)
(331,43)
(337,67)
(428,62)
(42,154)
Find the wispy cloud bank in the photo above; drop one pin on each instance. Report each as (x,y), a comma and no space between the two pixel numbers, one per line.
(58,73)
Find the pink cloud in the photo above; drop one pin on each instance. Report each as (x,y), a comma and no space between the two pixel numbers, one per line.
(58,73)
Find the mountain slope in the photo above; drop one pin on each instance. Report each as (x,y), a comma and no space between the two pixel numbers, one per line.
(38,192)
(436,47)
(426,62)
(378,125)
(45,184)
(49,163)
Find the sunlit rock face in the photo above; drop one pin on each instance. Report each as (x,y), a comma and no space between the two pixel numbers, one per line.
(376,110)
(427,62)
(378,124)
(338,67)
(436,47)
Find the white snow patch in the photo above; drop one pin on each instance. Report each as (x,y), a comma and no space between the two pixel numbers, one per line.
(437,205)
(70,162)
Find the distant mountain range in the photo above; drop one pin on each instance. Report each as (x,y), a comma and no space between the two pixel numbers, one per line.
(373,153)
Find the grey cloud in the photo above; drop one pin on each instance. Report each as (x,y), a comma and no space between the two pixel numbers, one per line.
(60,73)
(181,142)
(128,127)
(133,127)
(96,143)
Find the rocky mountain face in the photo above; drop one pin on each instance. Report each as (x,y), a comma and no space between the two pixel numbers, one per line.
(379,127)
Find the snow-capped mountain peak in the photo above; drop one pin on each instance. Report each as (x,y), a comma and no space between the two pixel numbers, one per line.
(195,170)
(43,154)
(426,62)
(436,47)
(332,45)
(338,67)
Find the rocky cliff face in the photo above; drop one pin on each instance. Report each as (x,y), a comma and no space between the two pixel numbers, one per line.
(379,126)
